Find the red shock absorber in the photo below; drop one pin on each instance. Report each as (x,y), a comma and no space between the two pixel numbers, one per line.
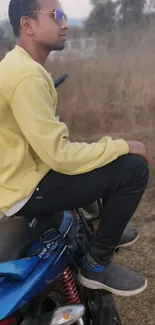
(69,287)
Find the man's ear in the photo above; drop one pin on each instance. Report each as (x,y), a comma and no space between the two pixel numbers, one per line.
(26,25)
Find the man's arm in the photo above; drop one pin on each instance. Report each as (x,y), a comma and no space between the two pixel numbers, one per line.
(33,108)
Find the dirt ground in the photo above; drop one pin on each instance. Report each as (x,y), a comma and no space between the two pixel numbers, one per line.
(140,310)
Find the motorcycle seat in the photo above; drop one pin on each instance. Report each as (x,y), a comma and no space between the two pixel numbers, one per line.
(17,234)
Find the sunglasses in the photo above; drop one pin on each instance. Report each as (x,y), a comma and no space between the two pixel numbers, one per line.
(58,15)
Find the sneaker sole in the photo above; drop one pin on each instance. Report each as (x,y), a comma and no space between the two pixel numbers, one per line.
(128,244)
(98,286)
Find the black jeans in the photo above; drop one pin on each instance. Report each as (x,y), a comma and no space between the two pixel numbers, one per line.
(120,184)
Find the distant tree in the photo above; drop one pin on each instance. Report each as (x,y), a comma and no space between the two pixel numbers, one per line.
(75,32)
(102,17)
(95,2)
(131,11)
(106,14)
(9,35)
(7,38)
(1,35)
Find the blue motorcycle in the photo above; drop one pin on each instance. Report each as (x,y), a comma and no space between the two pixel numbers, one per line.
(39,265)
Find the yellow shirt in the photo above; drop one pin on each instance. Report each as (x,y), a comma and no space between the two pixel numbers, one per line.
(32,140)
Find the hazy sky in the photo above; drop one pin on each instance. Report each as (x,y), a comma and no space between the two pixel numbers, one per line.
(74,8)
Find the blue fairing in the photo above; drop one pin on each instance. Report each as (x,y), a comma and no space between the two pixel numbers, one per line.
(23,279)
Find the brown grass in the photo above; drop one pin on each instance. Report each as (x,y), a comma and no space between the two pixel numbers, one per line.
(115,95)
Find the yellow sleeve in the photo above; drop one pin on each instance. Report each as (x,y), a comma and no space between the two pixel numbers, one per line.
(33,108)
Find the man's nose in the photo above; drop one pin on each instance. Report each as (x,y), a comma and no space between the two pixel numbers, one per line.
(64,25)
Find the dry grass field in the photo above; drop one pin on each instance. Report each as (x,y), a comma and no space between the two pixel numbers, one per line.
(114,94)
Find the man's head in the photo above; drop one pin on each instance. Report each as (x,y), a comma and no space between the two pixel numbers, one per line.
(42,21)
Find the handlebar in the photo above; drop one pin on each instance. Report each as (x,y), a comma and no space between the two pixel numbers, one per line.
(60,80)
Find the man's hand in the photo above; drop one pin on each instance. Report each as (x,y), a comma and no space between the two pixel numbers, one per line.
(138,148)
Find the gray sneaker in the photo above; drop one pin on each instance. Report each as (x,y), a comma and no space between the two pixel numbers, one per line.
(113,278)
(129,237)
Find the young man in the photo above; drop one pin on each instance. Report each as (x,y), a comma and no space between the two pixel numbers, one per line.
(41,171)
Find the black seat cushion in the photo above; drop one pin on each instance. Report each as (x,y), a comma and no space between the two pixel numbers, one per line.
(17,234)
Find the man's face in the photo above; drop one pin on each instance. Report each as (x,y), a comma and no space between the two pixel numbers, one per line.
(49,32)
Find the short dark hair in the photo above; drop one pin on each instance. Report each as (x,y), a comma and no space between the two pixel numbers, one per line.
(18,9)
